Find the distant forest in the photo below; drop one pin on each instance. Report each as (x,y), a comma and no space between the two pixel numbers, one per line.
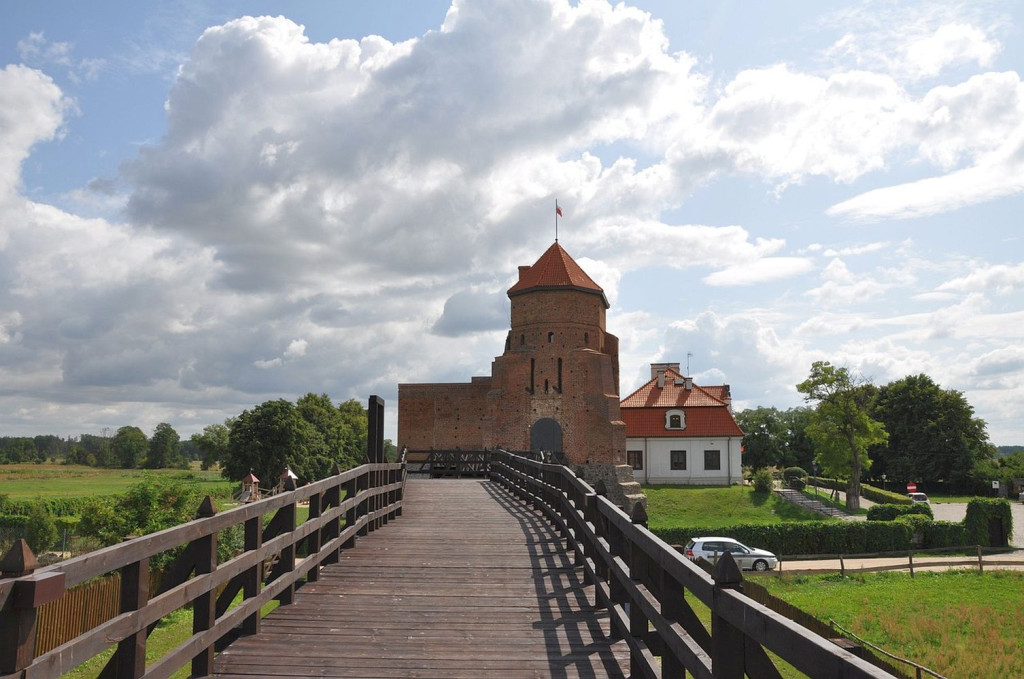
(1009,450)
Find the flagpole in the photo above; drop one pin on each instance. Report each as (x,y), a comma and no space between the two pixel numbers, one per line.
(556,220)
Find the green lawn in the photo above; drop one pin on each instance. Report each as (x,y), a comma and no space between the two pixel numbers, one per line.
(713,506)
(30,481)
(958,623)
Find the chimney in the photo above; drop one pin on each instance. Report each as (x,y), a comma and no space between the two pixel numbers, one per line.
(662,367)
(661,378)
(727,396)
(689,384)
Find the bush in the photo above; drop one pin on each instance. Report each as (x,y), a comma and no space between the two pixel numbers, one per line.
(944,534)
(790,473)
(889,512)
(980,511)
(916,523)
(763,481)
(40,531)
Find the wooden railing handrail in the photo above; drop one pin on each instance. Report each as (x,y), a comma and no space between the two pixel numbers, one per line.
(372,494)
(643,582)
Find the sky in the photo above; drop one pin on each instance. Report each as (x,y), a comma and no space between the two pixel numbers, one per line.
(205,206)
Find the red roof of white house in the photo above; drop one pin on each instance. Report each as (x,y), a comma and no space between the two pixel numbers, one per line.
(705,409)
(555,269)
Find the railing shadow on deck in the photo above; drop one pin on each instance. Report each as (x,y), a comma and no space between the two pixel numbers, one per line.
(277,559)
(647,586)
(558,601)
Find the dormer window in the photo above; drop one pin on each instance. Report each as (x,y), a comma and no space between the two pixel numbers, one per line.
(675,419)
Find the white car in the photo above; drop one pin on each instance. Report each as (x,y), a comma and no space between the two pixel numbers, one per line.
(746,558)
(919,497)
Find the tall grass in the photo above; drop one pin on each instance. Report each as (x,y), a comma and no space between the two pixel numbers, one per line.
(958,623)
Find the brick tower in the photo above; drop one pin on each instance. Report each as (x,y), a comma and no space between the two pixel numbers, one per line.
(554,389)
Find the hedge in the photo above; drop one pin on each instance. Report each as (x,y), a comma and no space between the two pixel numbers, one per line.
(979,512)
(806,537)
(883,496)
(889,512)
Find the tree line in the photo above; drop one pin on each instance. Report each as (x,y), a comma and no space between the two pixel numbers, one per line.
(310,437)
(910,429)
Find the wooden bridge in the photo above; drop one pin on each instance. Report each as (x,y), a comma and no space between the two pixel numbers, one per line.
(527,573)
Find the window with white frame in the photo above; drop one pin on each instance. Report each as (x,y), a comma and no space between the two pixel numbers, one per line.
(675,419)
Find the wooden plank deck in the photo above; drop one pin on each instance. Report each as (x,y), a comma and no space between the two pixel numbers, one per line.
(468,582)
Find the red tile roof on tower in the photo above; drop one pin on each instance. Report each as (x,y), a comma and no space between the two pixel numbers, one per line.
(555,269)
(707,413)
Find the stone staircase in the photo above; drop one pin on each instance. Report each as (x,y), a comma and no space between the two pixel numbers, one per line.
(810,504)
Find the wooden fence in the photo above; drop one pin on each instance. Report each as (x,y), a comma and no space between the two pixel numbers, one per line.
(277,558)
(647,587)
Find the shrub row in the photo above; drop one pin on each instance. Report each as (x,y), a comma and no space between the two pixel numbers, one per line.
(56,506)
(836,537)
(883,496)
(889,512)
(806,537)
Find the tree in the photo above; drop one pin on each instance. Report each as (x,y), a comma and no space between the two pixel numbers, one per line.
(149,506)
(129,446)
(212,444)
(840,427)
(933,434)
(774,438)
(271,437)
(40,530)
(163,447)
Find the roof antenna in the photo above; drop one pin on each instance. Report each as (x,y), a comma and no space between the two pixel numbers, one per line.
(558,213)
(688,355)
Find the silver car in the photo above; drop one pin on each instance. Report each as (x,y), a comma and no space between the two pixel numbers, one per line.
(746,558)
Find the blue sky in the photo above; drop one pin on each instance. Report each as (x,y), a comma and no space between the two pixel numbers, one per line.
(207,205)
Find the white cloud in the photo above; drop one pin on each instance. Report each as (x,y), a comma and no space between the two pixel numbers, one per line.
(1000,278)
(760,271)
(32,109)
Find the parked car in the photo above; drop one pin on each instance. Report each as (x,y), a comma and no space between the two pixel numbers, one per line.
(746,558)
(919,497)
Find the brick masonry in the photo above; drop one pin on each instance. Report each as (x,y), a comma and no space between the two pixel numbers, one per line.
(559,362)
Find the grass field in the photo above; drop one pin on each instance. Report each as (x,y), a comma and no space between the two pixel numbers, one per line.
(957,623)
(30,481)
(714,506)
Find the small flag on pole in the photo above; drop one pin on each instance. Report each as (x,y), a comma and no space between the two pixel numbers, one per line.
(558,210)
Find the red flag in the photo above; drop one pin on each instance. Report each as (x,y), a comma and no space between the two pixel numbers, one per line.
(558,211)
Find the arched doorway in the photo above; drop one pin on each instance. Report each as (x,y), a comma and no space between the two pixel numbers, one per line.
(546,435)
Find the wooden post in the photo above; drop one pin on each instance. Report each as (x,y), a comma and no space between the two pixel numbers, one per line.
(131,651)
(375,453)
(252,579)
(332,498)
(313,542)
(638,572)
(728,652)
(352,513)
(981,566)
(287,562)
(910,558)
(204,612)
(18,611)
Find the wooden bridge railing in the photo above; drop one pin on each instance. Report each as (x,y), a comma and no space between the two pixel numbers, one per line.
(277,558)
(647,587)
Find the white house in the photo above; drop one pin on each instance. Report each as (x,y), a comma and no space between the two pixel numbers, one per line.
(679,432)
